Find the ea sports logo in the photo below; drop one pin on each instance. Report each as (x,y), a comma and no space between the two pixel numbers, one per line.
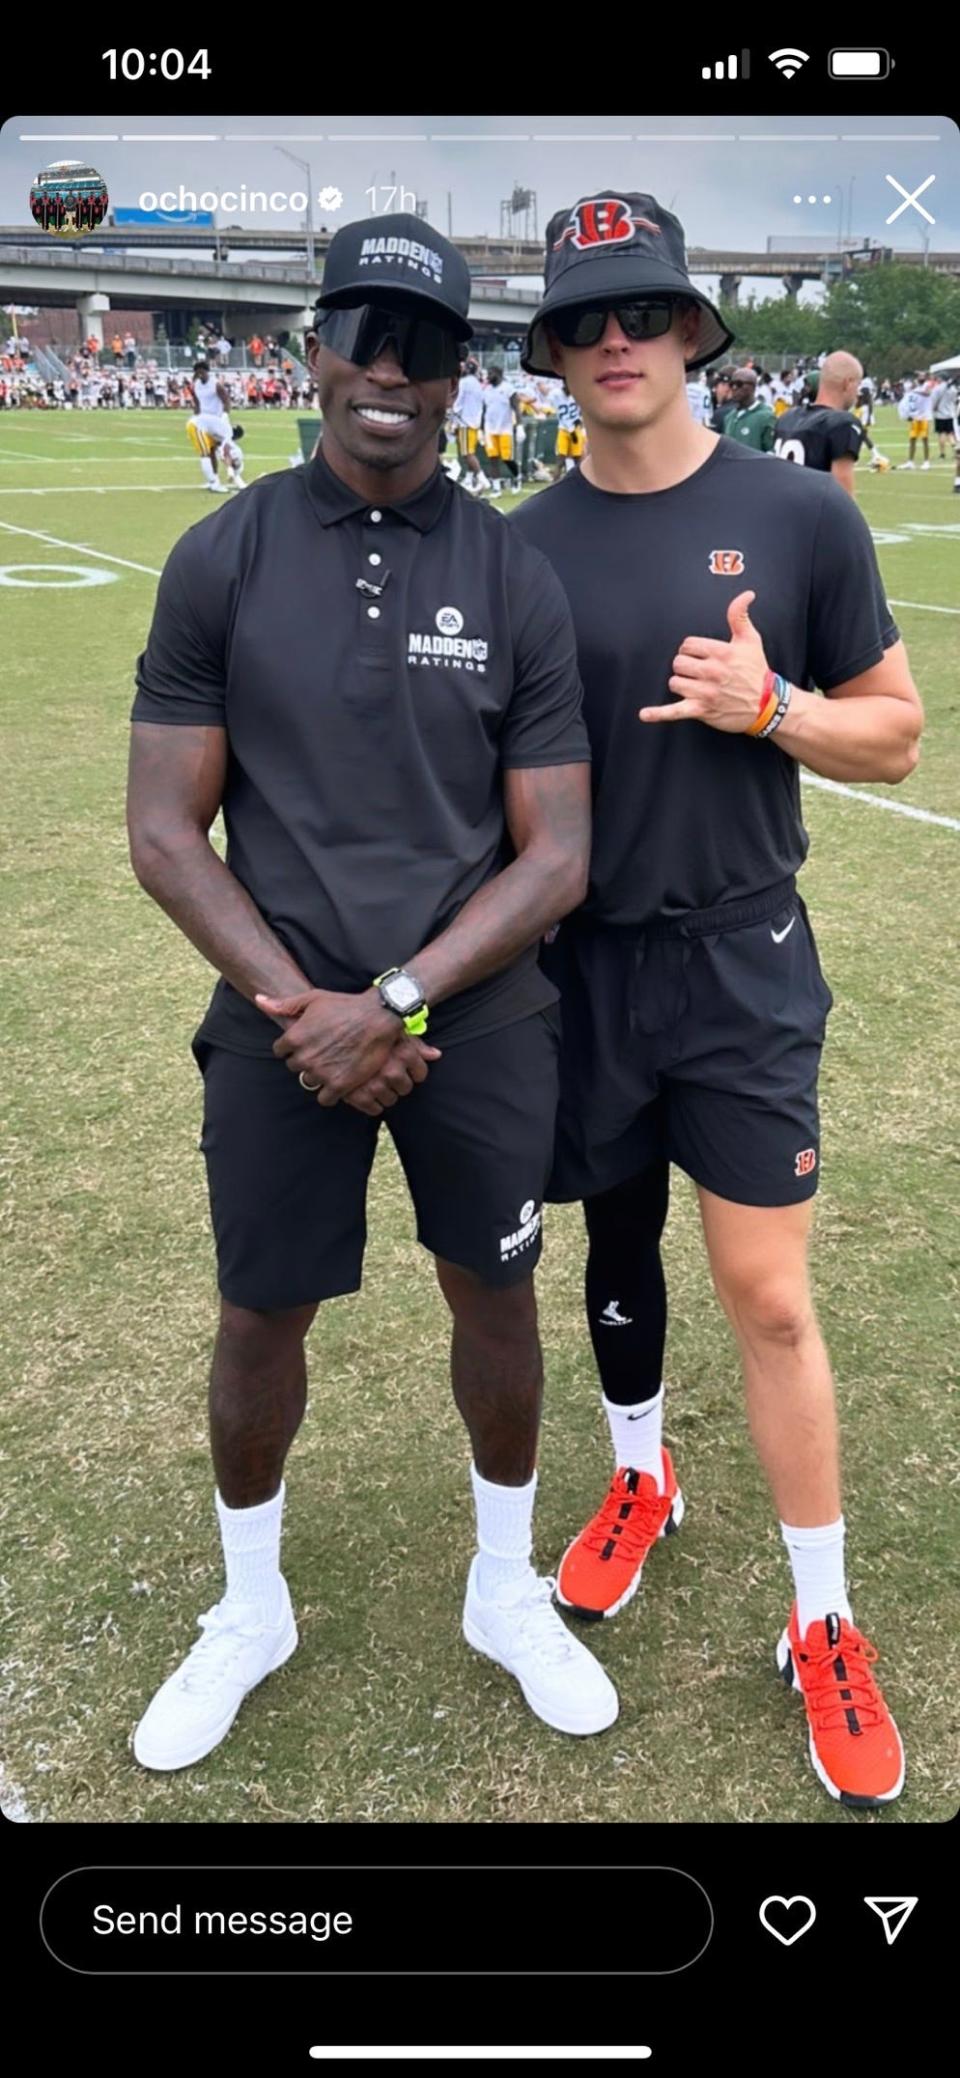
(449,620)
(603,220)
(527,1212)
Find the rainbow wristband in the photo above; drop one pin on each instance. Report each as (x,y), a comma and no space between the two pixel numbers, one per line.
(774,702)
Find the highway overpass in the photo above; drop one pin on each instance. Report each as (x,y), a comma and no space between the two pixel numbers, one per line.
(244,294)
(131,270)
(490,256)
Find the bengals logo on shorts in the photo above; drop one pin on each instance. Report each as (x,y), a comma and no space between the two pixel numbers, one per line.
(806,1162)
(726,562)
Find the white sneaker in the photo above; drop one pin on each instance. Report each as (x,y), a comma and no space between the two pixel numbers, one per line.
(924,465)
(561,1680)
(195,1708)
(906,465)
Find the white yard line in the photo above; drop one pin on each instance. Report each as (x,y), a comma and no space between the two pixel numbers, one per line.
(856,793)
(53,541)
(830,786)
(914,606)
(96,490)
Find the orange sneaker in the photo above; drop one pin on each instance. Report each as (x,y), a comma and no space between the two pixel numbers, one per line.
(854,1744)
(601,1569)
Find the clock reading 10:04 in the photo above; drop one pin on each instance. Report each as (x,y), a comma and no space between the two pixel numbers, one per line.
(172,64)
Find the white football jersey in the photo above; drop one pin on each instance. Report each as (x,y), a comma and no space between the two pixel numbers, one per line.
(206,396)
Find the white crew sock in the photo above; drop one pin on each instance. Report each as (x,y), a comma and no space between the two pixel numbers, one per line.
(818,1576)
(504,1532)
(637,1435)
(251,1552)
(209,471)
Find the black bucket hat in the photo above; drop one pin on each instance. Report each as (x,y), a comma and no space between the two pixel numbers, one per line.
(398,260)
(609,248)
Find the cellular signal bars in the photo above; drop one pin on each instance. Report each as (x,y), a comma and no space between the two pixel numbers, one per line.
(728,68)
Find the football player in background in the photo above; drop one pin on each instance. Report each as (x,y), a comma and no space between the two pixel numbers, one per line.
(212,445)
(825,435)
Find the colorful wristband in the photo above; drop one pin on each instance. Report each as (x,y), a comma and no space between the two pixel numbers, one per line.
(783,691)
(768,708)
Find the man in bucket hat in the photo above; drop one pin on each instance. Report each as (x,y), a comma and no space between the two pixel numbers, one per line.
(711,593)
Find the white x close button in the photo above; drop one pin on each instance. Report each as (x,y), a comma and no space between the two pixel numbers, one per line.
(911,199)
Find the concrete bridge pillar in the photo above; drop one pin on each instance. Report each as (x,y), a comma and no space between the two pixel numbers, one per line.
(730,287)
(793,283)
(89,311)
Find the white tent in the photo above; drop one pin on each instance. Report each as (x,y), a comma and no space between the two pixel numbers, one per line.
(942,367)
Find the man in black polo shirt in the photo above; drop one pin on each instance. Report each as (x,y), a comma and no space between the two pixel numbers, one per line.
(692,998)
(378,683)
(825,435)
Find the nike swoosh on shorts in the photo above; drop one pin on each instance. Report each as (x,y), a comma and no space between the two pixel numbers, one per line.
(779,936)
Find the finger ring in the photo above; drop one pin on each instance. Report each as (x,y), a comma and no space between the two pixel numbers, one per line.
(311,1086)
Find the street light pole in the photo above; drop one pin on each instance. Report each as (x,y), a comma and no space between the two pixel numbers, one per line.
(305,164)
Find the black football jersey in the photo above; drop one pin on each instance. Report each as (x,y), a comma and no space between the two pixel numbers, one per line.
(816,435)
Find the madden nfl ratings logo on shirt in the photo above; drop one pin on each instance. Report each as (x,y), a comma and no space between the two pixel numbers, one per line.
(448,646)
(527,1231)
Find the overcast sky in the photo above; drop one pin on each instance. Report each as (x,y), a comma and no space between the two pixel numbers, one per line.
(731,181)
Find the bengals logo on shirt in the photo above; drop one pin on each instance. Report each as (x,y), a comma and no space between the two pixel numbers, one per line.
(726,562)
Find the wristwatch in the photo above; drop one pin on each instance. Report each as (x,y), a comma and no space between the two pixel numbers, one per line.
(401,993)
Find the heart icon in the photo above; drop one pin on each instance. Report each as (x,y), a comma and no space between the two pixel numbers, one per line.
(786,1915)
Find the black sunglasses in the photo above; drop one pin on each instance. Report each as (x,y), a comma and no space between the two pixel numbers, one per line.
(584,324)
(425,348)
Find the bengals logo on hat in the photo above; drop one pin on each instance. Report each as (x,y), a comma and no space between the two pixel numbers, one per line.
(603,220)
(726,562)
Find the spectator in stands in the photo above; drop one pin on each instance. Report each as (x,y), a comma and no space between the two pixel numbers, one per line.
(130,349)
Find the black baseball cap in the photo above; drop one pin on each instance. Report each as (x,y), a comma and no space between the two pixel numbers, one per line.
(613,247)
(398,260)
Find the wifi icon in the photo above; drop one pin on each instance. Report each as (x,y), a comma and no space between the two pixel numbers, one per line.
(789,61)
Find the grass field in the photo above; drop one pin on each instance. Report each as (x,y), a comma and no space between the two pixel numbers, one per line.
(109,1548)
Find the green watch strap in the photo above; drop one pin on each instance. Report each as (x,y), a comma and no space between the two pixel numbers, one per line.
(415,1025)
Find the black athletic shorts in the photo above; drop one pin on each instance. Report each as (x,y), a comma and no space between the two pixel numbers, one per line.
(697,1041)
(943,425)
(288,1177)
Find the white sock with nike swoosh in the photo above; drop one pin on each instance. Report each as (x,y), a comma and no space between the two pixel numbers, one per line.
(637,1435)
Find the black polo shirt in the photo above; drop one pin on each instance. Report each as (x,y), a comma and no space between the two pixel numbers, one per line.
(368,729)
(816,435)
(686,817)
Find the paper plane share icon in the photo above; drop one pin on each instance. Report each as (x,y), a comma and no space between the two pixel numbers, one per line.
(894,1913)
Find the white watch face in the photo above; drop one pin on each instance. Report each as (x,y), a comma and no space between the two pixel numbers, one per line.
(402,992)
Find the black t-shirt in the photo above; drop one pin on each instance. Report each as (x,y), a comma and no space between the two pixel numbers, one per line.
(686,817)
(376,670)
(816,435)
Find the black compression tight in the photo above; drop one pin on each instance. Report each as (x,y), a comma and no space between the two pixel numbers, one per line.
(626,1291)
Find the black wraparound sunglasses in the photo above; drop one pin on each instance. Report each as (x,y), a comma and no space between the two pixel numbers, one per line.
(425,349)
(583,324)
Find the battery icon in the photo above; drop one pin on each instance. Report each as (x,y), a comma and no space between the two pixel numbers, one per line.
(860,64)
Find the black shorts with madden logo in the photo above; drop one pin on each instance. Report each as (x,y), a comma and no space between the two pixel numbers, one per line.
(696,1040)
(287,1177)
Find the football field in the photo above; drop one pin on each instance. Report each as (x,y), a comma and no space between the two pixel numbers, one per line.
(108,1540)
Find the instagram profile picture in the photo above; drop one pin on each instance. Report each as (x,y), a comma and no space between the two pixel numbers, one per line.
(68,198)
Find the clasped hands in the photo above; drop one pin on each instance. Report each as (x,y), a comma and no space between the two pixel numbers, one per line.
(354,1049)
